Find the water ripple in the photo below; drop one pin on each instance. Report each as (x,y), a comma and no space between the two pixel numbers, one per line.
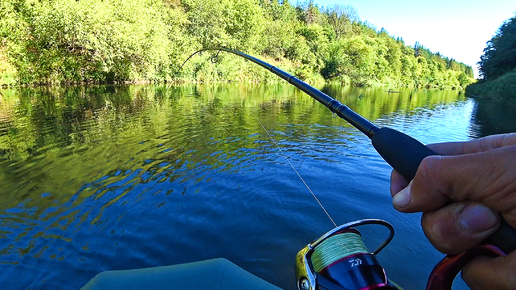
(124,177)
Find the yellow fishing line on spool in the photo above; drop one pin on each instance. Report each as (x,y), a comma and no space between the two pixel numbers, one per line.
(337,247)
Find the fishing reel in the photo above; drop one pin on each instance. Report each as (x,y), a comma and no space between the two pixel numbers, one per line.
(339,260)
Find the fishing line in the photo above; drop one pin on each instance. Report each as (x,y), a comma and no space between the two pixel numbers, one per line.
(337,247)
(299,175)
(214,59)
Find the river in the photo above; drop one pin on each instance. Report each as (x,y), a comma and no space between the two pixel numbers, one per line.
(121,177)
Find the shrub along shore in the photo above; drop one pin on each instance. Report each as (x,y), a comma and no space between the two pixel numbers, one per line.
(119,41)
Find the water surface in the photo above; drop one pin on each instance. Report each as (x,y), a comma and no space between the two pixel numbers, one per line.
(123,177)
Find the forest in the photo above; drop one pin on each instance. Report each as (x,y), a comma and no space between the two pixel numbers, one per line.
(498,67)
(55,42)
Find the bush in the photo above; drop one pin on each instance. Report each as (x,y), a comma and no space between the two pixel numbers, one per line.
(502,89)
(70,41)
(7,70)
(94,41)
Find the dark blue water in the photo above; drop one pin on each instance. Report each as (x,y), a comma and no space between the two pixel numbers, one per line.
(109,178)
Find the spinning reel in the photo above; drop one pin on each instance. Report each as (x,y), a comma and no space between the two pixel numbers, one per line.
(339,260)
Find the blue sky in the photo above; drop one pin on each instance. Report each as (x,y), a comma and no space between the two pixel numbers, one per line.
(457,29)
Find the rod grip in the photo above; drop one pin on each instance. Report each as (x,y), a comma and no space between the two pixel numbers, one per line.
(504,238)
(401,151)
(405,153)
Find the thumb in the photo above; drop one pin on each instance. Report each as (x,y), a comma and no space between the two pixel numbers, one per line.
(459,226)
(485,177)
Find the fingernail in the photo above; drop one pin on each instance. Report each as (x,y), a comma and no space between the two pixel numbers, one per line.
(478,218)
(402,198)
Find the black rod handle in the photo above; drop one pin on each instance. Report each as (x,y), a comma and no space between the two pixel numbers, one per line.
(504,238)
(405,153)
(401,151)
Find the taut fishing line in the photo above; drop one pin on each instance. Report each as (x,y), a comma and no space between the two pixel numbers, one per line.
(299,175)
(214,59)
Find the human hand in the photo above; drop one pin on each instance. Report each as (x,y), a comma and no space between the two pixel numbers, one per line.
(463,194)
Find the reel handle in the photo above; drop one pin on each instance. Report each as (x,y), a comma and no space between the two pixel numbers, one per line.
(405,153)
(444,272)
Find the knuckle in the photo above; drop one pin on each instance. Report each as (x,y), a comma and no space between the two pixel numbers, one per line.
(432,177)
(429,168)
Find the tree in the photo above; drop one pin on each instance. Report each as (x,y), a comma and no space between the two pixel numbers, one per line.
(393,56)
(91,40)
(207,21)
(309,13)
(232,23)
(351,57)
(340,18)
(70,41)
(499,55)
(280,38)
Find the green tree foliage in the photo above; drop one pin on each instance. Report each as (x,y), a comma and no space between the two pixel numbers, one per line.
(353,58)
(309,13)
(499,55)
(340,18)
(279,37)
(230,23)
(69,41)
(498,66)
(94,40)
(6,18)
(7,25)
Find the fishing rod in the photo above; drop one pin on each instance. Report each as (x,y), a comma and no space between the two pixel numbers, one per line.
(399,150)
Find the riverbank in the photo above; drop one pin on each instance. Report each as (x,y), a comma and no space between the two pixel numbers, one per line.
(214,67)
(134,41)
(500,90)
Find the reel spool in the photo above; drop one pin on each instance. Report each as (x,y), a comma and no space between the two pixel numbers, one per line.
(340,260)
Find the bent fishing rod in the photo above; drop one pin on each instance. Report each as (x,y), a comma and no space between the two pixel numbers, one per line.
(399,150)
(404,154)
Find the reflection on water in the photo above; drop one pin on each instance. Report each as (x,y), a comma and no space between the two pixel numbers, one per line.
(120,177)
(490,118)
